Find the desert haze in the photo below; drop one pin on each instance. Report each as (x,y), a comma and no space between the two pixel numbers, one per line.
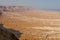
(33,24)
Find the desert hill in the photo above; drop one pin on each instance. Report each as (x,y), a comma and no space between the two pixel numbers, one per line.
(34,24)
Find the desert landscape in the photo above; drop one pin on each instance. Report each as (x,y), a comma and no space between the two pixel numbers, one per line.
(33,24)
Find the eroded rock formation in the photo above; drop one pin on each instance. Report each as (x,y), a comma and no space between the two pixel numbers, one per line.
(6,34)
(14,8)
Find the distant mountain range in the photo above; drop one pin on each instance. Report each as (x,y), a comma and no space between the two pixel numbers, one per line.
(14,8)
(21,9)
(51,9)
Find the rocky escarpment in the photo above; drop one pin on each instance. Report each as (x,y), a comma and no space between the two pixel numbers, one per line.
(14,8)
(6,35)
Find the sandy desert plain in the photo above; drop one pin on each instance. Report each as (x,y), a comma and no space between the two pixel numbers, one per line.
(33,24)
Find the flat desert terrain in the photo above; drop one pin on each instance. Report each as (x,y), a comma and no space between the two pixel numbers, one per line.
(33,24)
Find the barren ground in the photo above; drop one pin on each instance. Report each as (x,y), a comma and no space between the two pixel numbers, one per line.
(35,25)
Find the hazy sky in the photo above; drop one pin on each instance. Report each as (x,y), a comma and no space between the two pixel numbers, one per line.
(39,4)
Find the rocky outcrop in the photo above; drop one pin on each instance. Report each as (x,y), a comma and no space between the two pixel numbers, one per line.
(6,35)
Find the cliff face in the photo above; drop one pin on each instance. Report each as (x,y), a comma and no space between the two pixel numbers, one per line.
(14,8)
(6,35)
